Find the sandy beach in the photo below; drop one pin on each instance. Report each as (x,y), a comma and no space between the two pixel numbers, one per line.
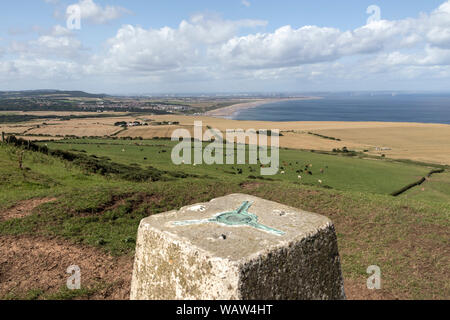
(228,112)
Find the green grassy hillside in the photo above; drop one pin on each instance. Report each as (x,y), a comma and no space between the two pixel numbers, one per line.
(407,238)
(337,172)
(435,189)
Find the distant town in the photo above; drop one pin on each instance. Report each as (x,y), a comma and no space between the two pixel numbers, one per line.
(56,100)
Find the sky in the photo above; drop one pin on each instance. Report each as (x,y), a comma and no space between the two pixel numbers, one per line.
(199,46)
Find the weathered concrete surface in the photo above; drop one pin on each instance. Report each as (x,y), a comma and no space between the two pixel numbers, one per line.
(217,261)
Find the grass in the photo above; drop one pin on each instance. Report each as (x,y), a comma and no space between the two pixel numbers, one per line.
(342,173)
(62,294)
(435,189)
(46,176)
(406,236)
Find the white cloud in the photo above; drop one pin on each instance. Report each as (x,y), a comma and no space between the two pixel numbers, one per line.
(246,3)
(208,49)
(288,47)
(94,13)
(59,30)
(212,30)
(60,46)
(38,69)
(57,43)
(139,50)
(284,47)
(306,45)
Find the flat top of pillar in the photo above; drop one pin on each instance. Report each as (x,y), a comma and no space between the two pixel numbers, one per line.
(236,226)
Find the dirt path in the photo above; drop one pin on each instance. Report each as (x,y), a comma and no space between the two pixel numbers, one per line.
(28,263)
(23,209)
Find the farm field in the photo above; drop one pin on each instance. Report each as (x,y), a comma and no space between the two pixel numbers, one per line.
(337,172)
(55,213)
(413,141)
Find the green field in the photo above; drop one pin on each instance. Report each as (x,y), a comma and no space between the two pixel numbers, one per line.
(435,189)
(342,173)
(406,236)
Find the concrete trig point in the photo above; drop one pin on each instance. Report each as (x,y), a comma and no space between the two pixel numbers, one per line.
(237,247)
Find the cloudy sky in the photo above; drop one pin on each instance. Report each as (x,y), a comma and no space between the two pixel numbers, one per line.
(179,46)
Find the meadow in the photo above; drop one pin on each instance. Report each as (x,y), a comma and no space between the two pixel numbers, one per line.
(94,216)
(335,172)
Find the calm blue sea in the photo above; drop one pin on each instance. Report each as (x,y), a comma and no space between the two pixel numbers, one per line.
(425,108)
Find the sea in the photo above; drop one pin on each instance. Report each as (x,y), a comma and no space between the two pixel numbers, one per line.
(424,108)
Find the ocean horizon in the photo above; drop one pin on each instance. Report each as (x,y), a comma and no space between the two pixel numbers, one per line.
(422,108)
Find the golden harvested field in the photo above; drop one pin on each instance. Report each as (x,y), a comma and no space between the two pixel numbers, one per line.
(420,142)
(415,141)
(151,132)
(33,138)
(77,129)
(15,128)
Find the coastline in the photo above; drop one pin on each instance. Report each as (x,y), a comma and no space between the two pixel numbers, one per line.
(230,111)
